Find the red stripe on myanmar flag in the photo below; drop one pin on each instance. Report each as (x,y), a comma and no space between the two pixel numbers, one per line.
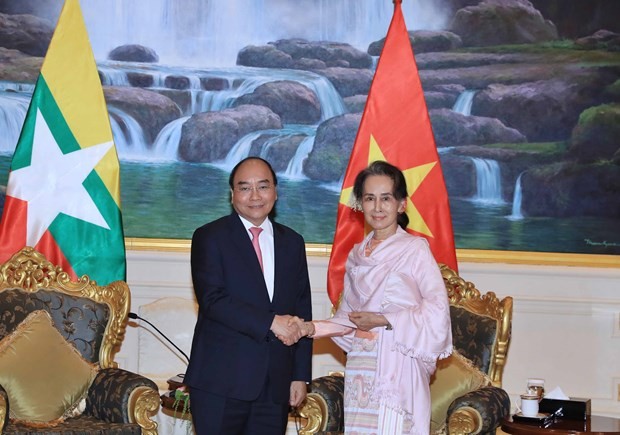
(13,236)
(63,193)
(12,227)
(396,127)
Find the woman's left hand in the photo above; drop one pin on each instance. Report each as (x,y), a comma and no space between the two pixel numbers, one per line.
(365,320)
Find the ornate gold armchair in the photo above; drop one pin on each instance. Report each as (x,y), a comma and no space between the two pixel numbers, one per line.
(466,389)
(57,341)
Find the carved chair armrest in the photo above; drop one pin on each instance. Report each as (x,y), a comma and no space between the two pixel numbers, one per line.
(120,396)
(4,409)
(323,406)
(478,412)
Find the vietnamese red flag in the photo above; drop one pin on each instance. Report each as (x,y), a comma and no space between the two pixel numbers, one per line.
(63,192)
(396,128)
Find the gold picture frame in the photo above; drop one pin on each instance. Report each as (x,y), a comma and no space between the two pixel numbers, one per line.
(464,255)
(160,185)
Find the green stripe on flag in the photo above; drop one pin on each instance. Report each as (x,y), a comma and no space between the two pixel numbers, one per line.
(91,249)
(43,100)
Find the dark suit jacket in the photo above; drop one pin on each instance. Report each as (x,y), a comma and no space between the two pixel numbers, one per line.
(233,349)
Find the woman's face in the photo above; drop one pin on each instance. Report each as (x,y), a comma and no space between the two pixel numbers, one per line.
(379,205)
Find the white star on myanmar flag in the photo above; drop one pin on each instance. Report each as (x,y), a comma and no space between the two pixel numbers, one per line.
(52,184)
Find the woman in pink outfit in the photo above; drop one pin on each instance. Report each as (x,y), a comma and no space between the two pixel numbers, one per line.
(394,318)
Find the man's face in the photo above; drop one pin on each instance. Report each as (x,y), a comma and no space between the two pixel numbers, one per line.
(254,192)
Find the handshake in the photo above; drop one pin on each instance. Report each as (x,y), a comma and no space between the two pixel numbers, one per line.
(289,329)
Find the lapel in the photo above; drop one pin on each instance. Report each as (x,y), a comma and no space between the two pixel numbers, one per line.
(243,246)
(279,248)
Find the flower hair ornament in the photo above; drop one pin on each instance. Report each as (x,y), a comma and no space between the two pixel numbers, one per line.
(353,203)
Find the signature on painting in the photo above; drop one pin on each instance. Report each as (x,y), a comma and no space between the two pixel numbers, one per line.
(604,243)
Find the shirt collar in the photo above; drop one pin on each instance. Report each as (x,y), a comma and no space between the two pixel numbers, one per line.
(266,225)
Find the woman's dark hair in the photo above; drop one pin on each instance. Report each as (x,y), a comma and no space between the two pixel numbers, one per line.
(231,178)
(400,185)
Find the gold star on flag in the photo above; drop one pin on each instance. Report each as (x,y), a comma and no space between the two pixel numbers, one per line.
(415,177)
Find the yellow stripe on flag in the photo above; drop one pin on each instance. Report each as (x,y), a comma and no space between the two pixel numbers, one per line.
(81,101)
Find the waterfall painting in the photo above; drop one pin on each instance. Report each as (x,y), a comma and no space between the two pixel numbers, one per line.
(524,99)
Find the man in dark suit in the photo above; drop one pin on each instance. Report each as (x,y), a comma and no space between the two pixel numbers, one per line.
(248,364)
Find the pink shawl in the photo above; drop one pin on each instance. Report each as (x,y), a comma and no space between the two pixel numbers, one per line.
(400,280)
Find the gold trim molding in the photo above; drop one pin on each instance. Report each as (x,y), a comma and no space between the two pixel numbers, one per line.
(143,404)
(3,409)
(464,255)
(465,421)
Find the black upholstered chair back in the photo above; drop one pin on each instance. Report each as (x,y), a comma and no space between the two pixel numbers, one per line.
(474,336)
(80,320)
(481,324)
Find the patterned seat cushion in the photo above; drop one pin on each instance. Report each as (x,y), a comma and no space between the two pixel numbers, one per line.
(82,425)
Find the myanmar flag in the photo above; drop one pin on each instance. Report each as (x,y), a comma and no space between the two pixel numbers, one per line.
(396,128)
(63,193)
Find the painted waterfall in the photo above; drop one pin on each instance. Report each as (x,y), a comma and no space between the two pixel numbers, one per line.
(193,86)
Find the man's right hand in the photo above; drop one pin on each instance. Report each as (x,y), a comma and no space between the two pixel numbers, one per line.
(307,328)
(287,332)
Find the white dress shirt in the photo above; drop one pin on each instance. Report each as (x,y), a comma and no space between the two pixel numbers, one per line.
(265,240)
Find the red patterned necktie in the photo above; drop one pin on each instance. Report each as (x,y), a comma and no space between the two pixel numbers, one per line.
(255,233)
